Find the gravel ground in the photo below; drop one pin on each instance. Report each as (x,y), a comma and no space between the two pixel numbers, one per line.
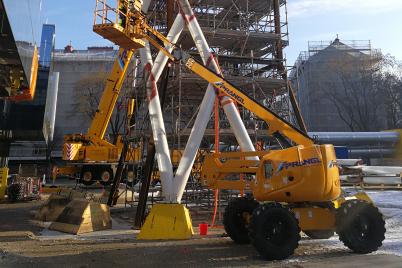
(25,243)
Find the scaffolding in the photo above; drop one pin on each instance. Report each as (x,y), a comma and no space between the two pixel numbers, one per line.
(353,47)
(247,39)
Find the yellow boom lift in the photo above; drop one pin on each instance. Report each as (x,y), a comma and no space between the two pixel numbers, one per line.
(292,189)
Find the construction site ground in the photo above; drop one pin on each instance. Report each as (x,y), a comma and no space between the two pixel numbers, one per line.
(25,242)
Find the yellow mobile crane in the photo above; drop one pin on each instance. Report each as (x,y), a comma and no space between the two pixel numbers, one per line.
(292,189)
(91,155)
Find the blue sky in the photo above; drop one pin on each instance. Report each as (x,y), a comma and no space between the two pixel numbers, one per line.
(309,20)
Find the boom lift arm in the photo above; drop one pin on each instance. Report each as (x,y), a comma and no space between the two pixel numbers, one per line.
(110,94)
(278,127)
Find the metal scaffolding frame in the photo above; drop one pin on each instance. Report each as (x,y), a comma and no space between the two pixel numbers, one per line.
(247,38)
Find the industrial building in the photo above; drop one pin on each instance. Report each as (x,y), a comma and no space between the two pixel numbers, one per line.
(324,76)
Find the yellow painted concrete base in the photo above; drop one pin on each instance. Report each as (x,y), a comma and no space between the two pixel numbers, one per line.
(167,221)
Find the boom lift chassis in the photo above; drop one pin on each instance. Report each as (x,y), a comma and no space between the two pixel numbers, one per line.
(293,189)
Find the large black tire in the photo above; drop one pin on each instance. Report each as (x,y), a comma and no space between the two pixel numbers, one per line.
(274,231)
(360,226)
(237,218)
(88,174)
(319,234)
(14,192)
(105,175)
(130,176)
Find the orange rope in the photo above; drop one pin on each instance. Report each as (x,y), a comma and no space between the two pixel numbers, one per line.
(216,194)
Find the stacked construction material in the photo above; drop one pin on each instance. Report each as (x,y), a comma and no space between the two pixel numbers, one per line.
(382,177)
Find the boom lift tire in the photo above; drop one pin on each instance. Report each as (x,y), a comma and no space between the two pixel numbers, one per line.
(319,234)
(274,231)
(130,176)
(237,218)
(360,226)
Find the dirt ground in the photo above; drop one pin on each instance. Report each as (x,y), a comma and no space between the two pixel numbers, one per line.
(25,243)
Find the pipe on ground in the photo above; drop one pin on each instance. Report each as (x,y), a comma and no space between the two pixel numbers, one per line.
(356,138)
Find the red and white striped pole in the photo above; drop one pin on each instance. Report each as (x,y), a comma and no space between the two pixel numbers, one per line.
(156,116)
(157,124)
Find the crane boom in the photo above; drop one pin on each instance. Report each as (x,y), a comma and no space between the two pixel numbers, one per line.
(110,94)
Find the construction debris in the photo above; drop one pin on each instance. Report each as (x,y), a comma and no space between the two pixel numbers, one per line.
(82,216)
(382,177)
(52,208)
(56,203)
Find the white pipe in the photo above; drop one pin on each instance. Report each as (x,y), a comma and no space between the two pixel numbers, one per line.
(157,125)
(189,154)
(162,149)
(145,5)
(156,118)
(173,36)
(163,155)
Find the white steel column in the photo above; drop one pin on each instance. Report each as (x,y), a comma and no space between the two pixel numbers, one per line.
(156,118)
(145,5)
(173,36)
(157,124)
(155,110)
(200,124)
